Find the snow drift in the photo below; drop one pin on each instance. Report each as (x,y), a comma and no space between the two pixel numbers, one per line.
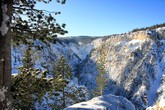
(106,102)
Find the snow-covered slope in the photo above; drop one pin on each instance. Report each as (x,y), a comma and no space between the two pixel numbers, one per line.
(73,49)
(160,105)
(135,63)
(106,102)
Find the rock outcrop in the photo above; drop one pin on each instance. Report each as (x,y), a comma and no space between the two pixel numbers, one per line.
(106,102)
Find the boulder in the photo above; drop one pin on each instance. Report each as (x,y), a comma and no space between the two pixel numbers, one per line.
(106,102)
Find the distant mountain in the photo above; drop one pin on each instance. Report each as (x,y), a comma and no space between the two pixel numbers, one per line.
(150,27)
(78,39)
(135,62)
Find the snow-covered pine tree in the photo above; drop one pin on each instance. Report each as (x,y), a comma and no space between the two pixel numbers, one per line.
(73,94)
(29,85)
(65,91)
(101,79)
(63,71)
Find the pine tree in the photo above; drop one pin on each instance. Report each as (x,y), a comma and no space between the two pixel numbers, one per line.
(63,71)
(30,85)
(26,23)
(101,78)
(73,94)
(65,91)
(27,59)
(28,88)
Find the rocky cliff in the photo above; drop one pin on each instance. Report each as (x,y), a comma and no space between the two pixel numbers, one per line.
(106,102)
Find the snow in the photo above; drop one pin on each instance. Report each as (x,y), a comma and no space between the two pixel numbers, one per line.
(160,105)
(141,90)
(155,85)
(134,44)
(162,102)
(161,28)
(4,27)
(96,43)
(77,92)
(82,51)
(17,54)
(110,102)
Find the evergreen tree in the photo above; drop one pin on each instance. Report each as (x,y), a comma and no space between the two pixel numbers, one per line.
(27,59)
(101,78)
(66,92)
(26,23)
(30,85)
(28,88)
(73,94)
(63,71)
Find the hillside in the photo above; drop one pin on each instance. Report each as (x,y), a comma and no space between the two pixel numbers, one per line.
(135,63)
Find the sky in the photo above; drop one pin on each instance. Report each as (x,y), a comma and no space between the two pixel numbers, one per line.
(106,17)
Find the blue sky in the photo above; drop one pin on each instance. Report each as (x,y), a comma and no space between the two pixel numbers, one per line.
(105,17)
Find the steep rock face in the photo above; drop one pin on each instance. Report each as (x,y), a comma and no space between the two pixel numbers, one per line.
(128,66)
(106,102)
(73,49)
(135,65)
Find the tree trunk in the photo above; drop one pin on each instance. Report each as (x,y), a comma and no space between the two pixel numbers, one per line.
(63,89)
(5,54)
(63,93)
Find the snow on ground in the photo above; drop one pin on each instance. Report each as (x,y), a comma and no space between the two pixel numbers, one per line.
(160,105)
(106,102)
(82,51)
(134,44)
(155,85)
(96,43)
(162,102)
